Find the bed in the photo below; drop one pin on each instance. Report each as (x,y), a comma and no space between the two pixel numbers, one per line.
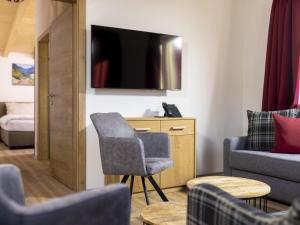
(16,130)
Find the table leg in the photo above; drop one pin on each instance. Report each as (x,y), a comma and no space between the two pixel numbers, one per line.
(266,204)
(260,206)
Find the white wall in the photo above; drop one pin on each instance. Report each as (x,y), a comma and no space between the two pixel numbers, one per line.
(209,93)
(223,66)
(9,92)
(250,25)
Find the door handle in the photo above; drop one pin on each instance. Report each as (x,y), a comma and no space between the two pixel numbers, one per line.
(178,128)
(142,129)
(51,100)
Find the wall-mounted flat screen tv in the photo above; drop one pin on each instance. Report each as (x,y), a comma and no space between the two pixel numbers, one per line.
(128,59)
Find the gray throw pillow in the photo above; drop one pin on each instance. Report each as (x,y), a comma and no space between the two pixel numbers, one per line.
(261,134)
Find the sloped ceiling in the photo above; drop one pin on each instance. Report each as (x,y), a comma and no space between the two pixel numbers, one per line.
(17,27)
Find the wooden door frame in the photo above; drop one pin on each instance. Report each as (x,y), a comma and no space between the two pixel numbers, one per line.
(79,90)
(42,83)
(79,96)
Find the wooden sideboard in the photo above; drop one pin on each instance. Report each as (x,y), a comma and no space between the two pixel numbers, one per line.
(182,138)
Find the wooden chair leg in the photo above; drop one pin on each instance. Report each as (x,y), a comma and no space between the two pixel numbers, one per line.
(124,179)
(157,188)
(145,190)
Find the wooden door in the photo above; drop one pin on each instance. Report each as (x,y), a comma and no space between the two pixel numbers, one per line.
(61,98)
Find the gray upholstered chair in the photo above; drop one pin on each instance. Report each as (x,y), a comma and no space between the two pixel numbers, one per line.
(109,205)
(209,205)
(124,152)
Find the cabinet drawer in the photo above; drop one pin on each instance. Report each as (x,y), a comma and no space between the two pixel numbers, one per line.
(145,126)
(178,127)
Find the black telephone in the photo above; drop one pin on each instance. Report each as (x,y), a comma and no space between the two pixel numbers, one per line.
(171,110)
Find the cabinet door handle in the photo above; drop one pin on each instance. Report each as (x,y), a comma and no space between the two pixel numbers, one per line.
(178,128)
(142,129)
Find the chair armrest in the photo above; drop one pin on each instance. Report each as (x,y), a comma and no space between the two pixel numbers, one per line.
(208,204)
(155,144)
(122,156)
(108,205)
(231,144)
(11,183)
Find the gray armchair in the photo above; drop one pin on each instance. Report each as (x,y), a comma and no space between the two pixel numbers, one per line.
(110,205)
(209,205)
(124,152)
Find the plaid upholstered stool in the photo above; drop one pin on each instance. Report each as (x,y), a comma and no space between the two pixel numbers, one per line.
(209,205)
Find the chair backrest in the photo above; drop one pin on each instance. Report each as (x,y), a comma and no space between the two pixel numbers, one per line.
(111,125)
(11,183)
(95,207)
(121,151)
(11,194)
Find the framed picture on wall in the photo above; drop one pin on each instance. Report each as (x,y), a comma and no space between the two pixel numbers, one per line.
(23,74)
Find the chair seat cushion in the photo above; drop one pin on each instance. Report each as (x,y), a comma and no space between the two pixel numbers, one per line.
(155,165)
(284,166)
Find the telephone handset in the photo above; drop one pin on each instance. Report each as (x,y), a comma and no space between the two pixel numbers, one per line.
(171,110)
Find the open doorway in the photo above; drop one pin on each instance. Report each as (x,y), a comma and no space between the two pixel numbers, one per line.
(17,100)
(17,69)
(43,178)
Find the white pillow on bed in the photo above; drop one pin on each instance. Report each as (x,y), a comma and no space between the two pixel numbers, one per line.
(19,108)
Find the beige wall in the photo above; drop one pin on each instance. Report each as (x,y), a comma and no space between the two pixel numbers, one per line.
(250,25)
(209,92)
(224,44)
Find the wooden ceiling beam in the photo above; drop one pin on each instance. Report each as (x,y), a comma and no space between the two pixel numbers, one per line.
(21,10)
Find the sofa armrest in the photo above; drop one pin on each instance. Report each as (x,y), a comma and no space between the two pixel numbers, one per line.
(208,204)
(231,144)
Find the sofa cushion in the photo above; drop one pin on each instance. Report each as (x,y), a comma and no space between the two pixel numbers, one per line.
(284,166)
(261,135)
(287,135)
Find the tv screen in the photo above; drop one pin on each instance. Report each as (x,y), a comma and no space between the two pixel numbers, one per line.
(135,60)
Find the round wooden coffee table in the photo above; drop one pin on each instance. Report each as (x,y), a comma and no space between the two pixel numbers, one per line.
(164,213)
(242,188)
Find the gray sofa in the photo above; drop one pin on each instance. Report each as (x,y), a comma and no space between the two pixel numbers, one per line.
(280,171)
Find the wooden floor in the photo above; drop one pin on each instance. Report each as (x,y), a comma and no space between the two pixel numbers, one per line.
(40,186)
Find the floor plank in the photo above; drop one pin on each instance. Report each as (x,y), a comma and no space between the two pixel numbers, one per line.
(40,186)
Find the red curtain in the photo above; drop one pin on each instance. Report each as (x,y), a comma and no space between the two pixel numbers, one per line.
(281,85)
